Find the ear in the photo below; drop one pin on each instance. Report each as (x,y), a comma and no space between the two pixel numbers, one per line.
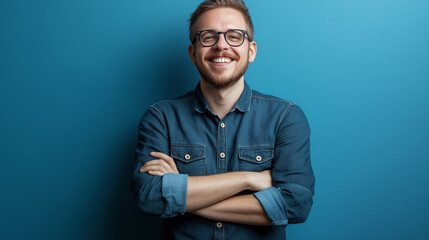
(252,51)
(191,51)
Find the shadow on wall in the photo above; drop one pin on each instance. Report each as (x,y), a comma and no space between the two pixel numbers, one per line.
(168,73)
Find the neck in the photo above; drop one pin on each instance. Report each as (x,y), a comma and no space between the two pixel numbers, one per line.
(221,101)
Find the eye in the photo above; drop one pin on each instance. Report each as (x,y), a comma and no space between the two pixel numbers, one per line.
(208,37)
(234,36)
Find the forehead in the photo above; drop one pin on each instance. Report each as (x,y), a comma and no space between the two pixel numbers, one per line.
(221,19)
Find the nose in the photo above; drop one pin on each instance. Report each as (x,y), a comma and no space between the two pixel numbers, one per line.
(221,42)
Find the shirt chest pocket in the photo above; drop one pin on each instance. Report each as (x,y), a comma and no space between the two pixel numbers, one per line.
(189,158)
(255,159)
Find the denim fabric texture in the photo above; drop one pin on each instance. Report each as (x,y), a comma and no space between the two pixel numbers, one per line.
(261,132)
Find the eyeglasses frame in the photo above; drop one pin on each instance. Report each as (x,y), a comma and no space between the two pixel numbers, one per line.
(244,32)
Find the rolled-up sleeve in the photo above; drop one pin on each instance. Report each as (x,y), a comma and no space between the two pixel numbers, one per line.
(174,190)
(164,196)
(272,202)
(291,198)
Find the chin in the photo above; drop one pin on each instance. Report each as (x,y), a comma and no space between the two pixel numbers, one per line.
(220,82)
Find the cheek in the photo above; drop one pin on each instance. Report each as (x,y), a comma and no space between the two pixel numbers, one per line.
(244,56)
(199,57)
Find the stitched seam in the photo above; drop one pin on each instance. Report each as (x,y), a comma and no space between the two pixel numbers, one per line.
(272,99)
(196,146)
(257,147)
(253,148)
(187,145)
(252,160)
(255,161)
(283,116)
(163,117)
(186,161)
(226,151)
(171,100)
(250,100)
(217,149)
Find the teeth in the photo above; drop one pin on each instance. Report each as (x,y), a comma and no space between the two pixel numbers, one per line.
(222,60)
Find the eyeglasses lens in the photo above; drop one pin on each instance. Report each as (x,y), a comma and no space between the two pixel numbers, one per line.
(233,38)
(208,38)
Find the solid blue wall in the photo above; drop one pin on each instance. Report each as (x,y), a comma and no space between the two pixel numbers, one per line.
(76,76)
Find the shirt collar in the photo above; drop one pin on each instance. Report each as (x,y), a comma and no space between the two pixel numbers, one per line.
(242,105)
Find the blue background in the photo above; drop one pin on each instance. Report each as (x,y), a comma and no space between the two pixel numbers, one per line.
(76,76)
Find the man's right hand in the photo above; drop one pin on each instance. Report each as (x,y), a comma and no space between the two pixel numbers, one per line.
(164,164)
(259,181)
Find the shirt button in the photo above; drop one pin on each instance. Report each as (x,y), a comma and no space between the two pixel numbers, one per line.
(187,156)
(222,125)
(258,158)
(219,224)
(222,155)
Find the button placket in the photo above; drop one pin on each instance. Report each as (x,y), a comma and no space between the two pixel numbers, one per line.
(219,231)
(221,147)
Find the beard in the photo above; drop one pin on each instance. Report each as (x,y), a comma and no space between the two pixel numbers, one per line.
(217,81)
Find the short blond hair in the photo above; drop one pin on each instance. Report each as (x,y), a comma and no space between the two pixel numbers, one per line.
(213,4)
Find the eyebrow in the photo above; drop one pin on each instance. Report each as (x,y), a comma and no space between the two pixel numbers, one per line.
(225,30)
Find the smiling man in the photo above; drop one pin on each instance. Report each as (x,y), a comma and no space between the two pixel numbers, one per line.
(224,161)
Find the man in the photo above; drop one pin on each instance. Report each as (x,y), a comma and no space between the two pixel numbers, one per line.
(223,161)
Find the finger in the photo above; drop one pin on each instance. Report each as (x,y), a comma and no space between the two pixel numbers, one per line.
(163,163)
(147,164)
(159,155)
(159,162)
(166,158)
(170,161)
(154,168)
(156,173)
(154,162)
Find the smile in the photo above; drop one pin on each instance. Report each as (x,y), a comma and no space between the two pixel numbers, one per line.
(221,60)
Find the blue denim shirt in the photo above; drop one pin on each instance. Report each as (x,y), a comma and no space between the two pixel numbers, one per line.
(261,132)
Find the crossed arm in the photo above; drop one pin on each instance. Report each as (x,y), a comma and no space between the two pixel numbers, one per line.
(213,197)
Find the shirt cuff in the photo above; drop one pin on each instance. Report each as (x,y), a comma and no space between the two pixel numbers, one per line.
(272,201)
(174,190)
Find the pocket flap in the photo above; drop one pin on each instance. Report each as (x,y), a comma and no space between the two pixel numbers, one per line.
(187,152)
(256,154)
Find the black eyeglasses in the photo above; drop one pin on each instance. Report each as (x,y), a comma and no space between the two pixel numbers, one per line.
(234,37)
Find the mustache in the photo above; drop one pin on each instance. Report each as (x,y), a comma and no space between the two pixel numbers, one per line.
(222,54)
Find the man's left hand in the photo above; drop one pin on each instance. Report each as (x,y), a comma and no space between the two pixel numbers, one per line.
(160,166)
